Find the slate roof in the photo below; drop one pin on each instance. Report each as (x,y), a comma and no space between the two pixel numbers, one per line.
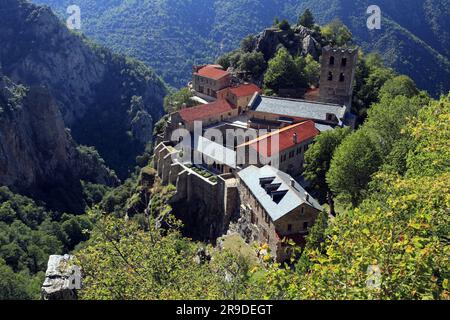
(296,108)
(295,195)
(217,152)
(285,136)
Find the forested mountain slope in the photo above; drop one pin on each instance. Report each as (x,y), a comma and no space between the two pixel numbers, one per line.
(171,35)
(38,156)
(108,101)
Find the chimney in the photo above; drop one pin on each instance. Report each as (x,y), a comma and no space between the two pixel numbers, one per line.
(307,197)
(295,138)
(183,106)
(292,183)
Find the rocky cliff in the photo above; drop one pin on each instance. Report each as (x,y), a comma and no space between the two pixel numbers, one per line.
(62,279)
(93,88)
(38,156)
(301,40)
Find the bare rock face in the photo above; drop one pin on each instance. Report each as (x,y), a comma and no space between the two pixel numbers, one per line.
(92,87)
(300,39)
(62,279)
(311,46)
(142,126)
(37,153)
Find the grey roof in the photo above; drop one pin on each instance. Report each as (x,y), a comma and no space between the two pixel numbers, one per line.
(294,197)
(217,152)
(323,127)
(297,108)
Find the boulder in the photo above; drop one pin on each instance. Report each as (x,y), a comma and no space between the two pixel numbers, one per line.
(62,279)
(310,46)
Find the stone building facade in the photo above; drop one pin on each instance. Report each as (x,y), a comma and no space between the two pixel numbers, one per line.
(337,75)
(210,79)
(273,208)
(205,203)
(239,95)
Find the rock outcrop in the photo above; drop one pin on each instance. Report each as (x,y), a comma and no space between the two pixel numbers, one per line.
(92,87)
(62,279)
(299,40)
(38,156)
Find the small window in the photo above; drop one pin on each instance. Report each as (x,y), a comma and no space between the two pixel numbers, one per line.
(344,62)
(330,76)
(305,226)
(289,227)
(342,77)
(331,61)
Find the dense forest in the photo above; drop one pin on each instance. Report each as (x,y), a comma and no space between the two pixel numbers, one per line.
(108,101)
(384,186)
(172,35)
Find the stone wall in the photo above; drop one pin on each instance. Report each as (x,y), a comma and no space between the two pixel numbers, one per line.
(205,207)
(337,75)
(208,86)
(255,225)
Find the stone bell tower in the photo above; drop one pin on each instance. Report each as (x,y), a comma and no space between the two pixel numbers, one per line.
(337,74)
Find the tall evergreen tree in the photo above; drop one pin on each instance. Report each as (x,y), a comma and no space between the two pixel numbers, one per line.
(307,19)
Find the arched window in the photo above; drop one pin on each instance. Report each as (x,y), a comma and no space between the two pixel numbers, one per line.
(344,62)
(342,77)
(330,76)
(332,61)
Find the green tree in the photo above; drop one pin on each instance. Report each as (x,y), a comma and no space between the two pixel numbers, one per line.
(253,63)
(284,25)
(284,72)
(337,34)
(306,19)
(402,228)
(387,118)
(12,285)
(312,71)
(154,264)
(353,164)
(314,241)
(400,85)
(175,100)
(248,44)
(370,76)
(318,159)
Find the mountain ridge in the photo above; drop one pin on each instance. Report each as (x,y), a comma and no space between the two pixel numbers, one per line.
(216,26)
(110,102)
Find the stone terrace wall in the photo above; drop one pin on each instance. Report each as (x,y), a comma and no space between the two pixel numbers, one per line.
(205,207)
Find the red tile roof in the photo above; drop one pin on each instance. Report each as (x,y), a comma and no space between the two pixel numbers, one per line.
(212,72)
(245,90)
(205,111)
(263,145)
